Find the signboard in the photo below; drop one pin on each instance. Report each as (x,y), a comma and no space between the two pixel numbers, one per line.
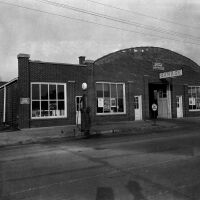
(24,101)
(158,66)
(154,107)
(171,74)
(100,102)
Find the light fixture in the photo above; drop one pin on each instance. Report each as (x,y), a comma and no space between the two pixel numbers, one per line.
(84,86)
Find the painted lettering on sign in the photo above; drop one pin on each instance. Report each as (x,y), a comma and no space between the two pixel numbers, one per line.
(171,74)
(24,101)
(158,66)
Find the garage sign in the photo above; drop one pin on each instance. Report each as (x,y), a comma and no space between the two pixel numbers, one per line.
(171,74)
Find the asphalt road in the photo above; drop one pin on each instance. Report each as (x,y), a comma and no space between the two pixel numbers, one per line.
(127,168)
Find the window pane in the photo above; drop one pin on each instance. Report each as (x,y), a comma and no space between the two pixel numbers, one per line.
(193,92)
(61,92)
(78,103)
(100,105)
(136,105)
(190,107)
(44,91)
(120,105)
(113,99)
(189,91)
(35,108)
(106,90)
(120,90)
(113,90)
(52,91)
(106,107)
(198,103)
(61,108)
(113,104)
(44,108)
(99,89)
(198,92)
(52,108)
(35,91)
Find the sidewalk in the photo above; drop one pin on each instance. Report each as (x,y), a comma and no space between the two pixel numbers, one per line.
(71,132)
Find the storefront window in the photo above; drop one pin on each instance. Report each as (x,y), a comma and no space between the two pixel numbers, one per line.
(194,97)
(48,100)
(110,97)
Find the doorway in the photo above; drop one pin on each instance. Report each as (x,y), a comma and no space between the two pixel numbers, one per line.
(138,107)
(179,106)
(160,94)
(162,103)
(78,110)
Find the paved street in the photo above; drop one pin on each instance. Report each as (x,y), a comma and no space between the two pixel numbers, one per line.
(147,167)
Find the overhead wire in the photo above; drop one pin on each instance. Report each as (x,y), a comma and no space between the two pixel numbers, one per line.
(142,14)
(95,23)
(127,22)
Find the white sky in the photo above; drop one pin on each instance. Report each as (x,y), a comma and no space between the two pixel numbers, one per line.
(59,39)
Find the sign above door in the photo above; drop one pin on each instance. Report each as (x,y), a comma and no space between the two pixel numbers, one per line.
(158,66)
(171,74)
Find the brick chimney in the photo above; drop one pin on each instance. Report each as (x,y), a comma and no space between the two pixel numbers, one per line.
(81,60)
(23,89)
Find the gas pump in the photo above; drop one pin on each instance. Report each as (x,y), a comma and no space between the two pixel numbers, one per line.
(85,113)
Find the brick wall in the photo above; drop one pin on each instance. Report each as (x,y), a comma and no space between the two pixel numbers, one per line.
(72,75)
(11,105)
(136,66)
(1,105)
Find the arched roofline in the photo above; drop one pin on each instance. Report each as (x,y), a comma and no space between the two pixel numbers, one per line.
(145,47)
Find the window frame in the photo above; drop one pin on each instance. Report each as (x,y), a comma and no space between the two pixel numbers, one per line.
(40,100)
(191,87)
(124,97)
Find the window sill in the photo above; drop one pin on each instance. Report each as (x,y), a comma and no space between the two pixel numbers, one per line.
(194,110)
(46,118)
(100,114)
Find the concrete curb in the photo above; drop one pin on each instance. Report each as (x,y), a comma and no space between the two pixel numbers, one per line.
(94,134)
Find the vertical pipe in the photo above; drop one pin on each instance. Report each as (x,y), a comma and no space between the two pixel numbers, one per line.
(4,105)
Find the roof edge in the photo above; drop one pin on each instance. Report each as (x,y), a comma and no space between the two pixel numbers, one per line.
(139,47)
(8,83)
(56,63)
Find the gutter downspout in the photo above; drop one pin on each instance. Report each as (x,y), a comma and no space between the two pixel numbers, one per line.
(4,105)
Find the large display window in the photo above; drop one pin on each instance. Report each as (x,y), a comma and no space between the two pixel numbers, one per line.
(110,98)
(48,100)
(194,98)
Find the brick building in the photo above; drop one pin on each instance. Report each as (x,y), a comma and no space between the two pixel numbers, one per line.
(121,86)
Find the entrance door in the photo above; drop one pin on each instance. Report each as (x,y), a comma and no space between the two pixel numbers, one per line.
(162,104)
(179,106)
(160,94)
(138,107)
(78,109)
